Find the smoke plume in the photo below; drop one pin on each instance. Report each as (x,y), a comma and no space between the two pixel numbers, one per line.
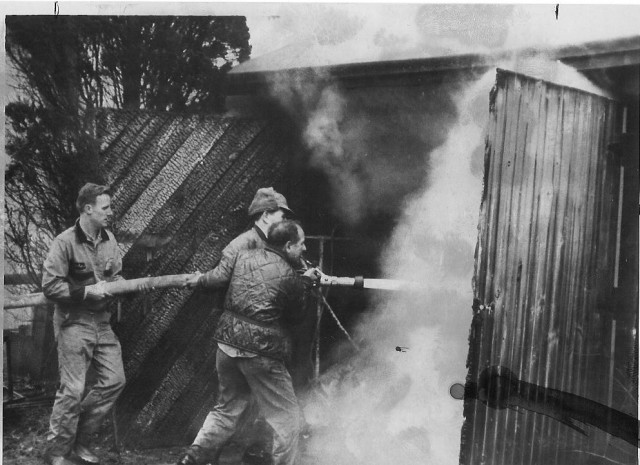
(324,138)
(318,108)
(391,404)
(369,169)
(371,144)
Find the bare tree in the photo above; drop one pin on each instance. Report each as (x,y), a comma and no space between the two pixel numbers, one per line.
(66,67)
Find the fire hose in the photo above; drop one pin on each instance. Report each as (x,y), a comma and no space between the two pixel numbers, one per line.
(123,286)
(127,286)
(337,321)
(359,282)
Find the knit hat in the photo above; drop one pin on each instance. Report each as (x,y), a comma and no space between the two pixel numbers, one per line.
(267,199)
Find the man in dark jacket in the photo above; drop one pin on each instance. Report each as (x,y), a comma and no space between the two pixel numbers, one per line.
(267,208)
(80,260)
(265,296)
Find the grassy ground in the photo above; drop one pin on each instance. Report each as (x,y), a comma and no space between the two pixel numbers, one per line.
(24,436)
(25,431)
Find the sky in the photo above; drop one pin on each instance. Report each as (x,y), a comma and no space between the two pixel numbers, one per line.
(413,30)
(332,33)
(405,29)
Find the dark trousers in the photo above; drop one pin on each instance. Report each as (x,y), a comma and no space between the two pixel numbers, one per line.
(269,382)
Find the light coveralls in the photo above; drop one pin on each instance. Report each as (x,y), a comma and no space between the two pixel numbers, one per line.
(83,334)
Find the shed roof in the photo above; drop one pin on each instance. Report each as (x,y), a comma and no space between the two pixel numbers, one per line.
(305,57)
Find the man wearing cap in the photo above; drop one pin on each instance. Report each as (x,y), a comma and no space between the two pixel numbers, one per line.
(80,260)
(268,207)
(265,297)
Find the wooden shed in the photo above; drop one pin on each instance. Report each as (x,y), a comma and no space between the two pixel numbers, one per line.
(558,227)
(556,273)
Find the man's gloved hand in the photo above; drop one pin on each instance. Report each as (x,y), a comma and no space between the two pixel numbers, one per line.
(97,291)
(192,280)
(313,275)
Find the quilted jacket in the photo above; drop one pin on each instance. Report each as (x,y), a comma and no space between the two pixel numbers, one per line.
(254,238)
(265,297)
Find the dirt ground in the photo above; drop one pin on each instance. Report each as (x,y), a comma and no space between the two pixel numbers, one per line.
(24,433)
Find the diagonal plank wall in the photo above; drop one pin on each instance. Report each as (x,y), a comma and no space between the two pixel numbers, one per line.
(182,184)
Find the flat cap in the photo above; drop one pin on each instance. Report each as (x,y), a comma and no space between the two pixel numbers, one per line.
(267,199)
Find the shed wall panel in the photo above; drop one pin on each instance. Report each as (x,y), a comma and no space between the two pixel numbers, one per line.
(181,187)
(544,267)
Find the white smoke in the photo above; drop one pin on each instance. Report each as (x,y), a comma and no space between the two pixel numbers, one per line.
(319,110)
(361,178)
(392,405)
(324,137)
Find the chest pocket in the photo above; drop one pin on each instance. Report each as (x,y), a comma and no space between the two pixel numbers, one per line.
(80,271)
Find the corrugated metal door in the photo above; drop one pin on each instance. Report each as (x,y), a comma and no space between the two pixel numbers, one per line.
(544,266)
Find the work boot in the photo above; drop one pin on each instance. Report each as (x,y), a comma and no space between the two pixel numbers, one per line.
(85,454)
(187,460)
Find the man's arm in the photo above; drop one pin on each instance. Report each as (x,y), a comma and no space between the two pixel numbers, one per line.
(221,274)
(55,271)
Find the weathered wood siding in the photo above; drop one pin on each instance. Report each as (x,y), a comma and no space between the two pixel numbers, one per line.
(182,185)
(544,267)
